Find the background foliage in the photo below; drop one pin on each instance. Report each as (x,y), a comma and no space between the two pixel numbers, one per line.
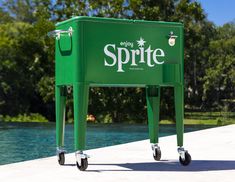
(27,58)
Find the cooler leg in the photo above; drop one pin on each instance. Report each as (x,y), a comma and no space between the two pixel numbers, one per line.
(60,121)
(153,108)
(179,112)
(80,94)
(184,157)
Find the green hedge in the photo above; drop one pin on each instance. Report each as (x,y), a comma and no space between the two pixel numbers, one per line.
(32,117)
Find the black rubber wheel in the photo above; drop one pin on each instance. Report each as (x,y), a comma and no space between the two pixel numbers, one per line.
(84,164)
(61,158)
(157,155)
(187,159)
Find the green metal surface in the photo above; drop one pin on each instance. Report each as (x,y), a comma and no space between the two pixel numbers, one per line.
(80,95)
(120,53)
(60,114)
(153,106)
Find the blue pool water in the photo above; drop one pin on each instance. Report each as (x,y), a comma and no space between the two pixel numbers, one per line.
(25,141)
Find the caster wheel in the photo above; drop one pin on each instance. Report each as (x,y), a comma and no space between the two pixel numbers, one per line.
(158,154)
(187,159)
(84,164)
(61,158)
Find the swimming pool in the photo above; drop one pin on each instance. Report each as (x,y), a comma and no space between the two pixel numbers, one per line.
(25,141)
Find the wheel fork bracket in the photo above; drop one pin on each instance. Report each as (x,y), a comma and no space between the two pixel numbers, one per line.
(182,152)
(155,146)
(80,155)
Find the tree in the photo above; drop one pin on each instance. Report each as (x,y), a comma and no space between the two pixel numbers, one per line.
(23,63)
(4,16)
(219,80)
(198,32)
(28,10)
(27,54)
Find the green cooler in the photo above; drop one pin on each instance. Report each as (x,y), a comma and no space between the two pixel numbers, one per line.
(93,52)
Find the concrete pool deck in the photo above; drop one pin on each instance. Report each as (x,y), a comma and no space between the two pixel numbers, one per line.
(212,151)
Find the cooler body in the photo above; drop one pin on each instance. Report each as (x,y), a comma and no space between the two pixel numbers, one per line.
(118,52)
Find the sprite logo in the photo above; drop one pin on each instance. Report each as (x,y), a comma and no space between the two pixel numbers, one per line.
(124,54)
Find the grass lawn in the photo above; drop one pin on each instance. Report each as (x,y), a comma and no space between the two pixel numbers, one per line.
(206,118)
